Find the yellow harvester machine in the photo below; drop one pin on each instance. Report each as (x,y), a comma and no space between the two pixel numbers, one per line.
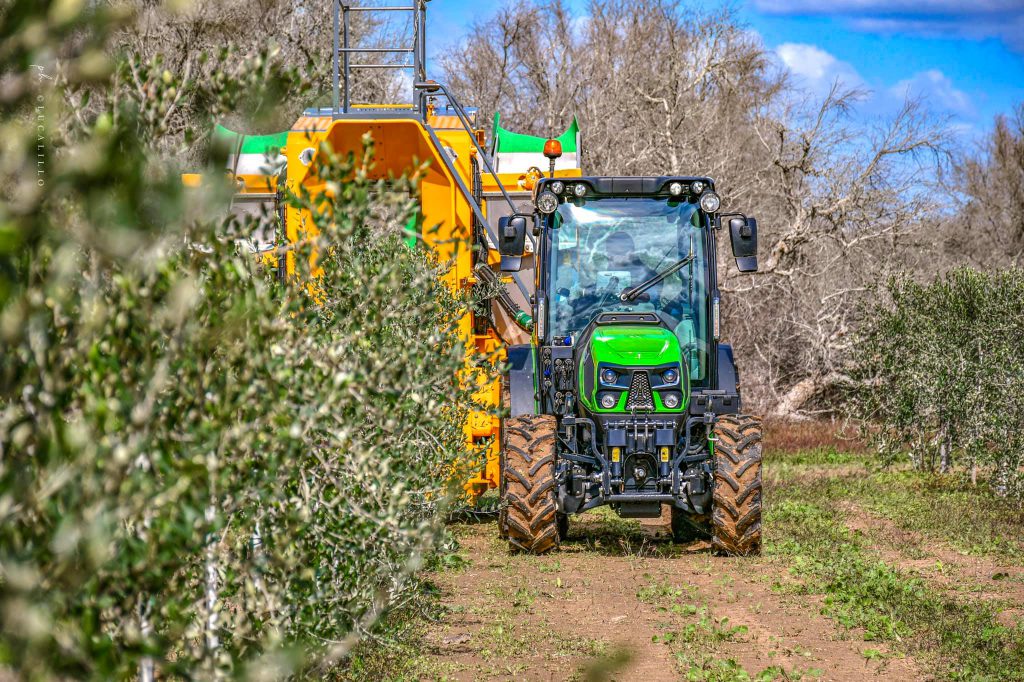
(469,184)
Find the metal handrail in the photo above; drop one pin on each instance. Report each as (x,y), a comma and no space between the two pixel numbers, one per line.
(432,86)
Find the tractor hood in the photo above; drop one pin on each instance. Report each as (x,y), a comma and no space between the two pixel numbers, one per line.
(634,345)
(627,368)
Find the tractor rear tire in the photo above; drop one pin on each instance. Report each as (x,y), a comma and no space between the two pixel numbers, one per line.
(528,481)
(736,512)
(563,526)
(688,528)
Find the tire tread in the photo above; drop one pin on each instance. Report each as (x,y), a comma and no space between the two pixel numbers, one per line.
(528,479)
(736,512)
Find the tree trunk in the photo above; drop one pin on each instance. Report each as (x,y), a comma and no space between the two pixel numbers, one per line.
(796,397)
(945,453)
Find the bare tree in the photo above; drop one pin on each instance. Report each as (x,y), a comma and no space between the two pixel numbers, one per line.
(841,206)
(989,228)
(662,88)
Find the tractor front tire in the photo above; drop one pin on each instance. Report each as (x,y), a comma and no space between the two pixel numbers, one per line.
(530,519)
(736,513)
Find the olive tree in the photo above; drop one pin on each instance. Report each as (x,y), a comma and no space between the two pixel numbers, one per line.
(941,375)
(205,471)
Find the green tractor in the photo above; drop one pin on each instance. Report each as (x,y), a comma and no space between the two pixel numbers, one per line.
(625,396)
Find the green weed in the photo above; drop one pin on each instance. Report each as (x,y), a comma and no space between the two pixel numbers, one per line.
(863,592)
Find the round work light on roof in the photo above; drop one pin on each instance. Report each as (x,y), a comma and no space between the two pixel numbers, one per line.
(675,189)
(697,187)
(579,190)
(710,202)
(557,186)
(547,202)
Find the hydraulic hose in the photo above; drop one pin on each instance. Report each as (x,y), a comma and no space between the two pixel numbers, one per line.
(519,316)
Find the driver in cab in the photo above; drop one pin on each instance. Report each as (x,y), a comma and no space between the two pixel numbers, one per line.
(623,270)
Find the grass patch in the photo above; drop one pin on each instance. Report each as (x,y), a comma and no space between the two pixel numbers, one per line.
(963,640)
(396,651)
(944,507)
(823,456)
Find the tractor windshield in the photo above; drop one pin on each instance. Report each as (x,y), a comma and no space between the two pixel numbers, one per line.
(603,247)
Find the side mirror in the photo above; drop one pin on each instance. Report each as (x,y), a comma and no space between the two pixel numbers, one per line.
(743,234)
(511,242)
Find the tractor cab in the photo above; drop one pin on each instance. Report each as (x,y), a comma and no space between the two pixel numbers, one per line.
(619,254)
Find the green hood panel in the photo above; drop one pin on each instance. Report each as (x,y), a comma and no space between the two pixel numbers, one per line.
(635,345)
(640,346)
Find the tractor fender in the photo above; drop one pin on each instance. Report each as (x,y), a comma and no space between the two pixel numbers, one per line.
(521,380)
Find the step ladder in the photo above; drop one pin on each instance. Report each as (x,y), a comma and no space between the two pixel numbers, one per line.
(342,104)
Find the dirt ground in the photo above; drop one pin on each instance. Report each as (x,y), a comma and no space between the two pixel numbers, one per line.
(924,582)
(542,604)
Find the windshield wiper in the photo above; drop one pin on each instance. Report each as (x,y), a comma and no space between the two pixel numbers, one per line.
(631,293)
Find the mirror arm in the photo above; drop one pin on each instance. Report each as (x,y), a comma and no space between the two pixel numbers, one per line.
(719,216)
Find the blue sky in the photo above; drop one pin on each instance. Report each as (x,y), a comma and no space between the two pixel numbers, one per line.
(965,58)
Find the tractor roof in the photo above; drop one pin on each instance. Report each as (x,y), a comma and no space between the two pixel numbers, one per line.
(636,185)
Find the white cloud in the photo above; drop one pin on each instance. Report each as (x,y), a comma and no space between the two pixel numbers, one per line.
(579,25)
(816,70)
(917,7)
(977,20)
(937,90)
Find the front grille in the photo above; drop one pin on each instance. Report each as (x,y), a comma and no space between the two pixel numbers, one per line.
(640,397)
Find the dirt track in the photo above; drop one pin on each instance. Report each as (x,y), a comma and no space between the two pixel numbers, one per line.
(518,617)
(925,583)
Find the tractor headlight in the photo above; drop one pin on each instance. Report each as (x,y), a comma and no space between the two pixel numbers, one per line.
(670,376)
(609,376)
(579,190)
(710,202)
(671,401)
(697,187)
(675,189)
(557,186)
(608,401)
(547,202)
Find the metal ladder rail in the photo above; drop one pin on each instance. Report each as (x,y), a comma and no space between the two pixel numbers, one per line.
(341,61)
(342,50)
(433,86)
(473,205)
